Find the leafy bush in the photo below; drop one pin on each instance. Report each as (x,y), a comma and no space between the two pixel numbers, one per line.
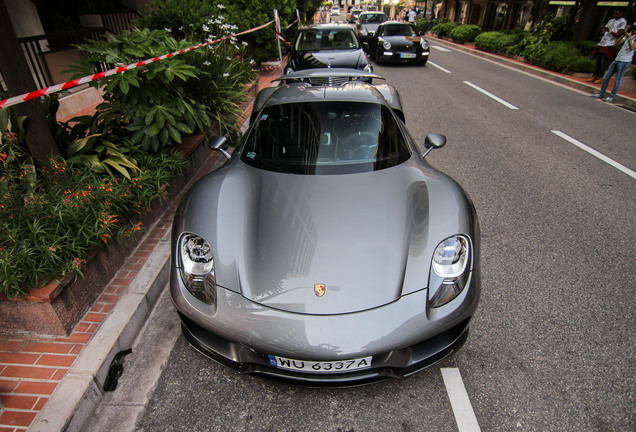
(421,25)
(559,56)
(444,28)
(147,102)
(194,20)
(224,75)
(553,29)
(50,218)
(518,42)
(494,42)
(465,33)
(586,47)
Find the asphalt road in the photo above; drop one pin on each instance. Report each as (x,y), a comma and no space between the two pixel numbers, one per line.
(552,346)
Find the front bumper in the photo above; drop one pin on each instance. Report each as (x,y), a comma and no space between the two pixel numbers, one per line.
(398,363)
(403,337)
(389,56)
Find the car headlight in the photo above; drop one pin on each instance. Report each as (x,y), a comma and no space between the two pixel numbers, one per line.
(197,267)
(424,44)
(449,270)
(386,44)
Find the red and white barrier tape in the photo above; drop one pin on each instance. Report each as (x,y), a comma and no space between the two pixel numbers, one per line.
(74,83)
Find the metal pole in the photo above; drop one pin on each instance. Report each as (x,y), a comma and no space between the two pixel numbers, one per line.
(280,51)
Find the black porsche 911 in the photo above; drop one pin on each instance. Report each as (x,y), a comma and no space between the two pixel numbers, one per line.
(396,41)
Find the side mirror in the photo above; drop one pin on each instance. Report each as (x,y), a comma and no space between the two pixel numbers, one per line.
(219,143)
(433,141)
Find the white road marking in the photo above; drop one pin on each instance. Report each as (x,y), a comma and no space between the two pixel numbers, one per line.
(439,48)
(463,410)
(492,96)
(439,67)
(593,152)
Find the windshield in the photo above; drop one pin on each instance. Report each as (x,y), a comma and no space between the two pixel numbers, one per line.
(325,138)
(398,30)
(372,18)
(322,40)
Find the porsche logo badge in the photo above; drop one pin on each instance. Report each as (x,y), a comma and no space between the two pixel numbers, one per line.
(319,289)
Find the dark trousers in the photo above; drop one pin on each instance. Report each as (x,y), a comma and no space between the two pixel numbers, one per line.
(603,57)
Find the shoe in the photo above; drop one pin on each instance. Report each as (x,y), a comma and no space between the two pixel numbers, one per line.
(608,99)
(597,96)
(597,81)
(592,79)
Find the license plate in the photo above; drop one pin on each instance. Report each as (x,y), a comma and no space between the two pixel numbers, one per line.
(320,366)
(407,55)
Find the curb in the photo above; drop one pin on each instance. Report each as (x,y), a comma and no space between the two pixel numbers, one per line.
(79,393)
(626,101)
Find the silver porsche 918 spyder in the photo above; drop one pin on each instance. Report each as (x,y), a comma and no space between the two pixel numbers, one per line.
(326,251)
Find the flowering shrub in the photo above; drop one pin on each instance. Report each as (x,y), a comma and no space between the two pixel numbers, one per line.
(223,68)
(50,218)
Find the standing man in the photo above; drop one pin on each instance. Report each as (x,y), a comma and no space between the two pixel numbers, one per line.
(412,14)
(604,51)
(620,65)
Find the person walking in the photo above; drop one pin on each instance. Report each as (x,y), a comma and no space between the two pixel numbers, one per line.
(604,51)
(620,65)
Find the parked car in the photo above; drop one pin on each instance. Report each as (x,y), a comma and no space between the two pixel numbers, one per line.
(397,41)
(326,251)
(353,16)
(335,11)
(327,46)
(368,23)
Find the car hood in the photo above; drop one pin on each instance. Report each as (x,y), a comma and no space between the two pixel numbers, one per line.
(403,40)
(332,58)
(276,237)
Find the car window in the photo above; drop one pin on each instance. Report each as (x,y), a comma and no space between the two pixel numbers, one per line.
(322,40)
(398,30)
(372,18)
(325,138)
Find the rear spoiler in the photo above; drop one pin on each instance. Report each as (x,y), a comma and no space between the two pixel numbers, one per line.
(327,73)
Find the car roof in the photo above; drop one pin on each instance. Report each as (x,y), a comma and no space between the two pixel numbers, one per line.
(372,13)
(385,23)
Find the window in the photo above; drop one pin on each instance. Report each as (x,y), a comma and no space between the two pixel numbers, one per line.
(325,138)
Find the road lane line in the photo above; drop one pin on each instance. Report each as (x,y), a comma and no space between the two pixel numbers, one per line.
(463,410)
(439,67)
(490,95)
(439,48)
(593,152)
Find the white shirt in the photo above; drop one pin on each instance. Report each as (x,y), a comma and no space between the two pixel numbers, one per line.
(626,54)
(614,25)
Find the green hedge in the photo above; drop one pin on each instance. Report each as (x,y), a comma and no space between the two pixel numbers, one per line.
(558,56)
(494,42)
(465,33)
(444,28)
